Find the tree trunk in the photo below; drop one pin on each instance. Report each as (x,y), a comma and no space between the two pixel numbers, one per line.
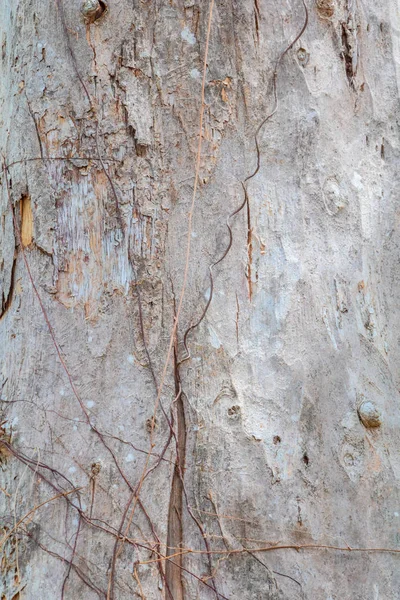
(199,295)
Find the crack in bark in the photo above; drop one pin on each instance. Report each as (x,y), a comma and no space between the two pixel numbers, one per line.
(257,18)
(249,251)
(6,301)
(173,570)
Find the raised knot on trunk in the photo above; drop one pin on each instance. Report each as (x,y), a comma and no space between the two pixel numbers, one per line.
(93,10)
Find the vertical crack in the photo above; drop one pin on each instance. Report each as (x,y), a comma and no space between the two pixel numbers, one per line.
(249,251)
(257,17)
(173,569)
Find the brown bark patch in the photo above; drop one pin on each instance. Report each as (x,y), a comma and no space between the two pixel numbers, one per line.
(26,221)
(326,8)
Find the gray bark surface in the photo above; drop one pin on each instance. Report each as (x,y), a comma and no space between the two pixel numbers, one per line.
(277,421)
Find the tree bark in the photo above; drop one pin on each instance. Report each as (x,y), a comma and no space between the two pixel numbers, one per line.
(199,296)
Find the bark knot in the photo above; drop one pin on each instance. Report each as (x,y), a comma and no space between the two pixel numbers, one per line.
(92,10)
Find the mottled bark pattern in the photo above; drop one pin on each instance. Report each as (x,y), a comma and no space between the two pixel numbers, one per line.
(282,426)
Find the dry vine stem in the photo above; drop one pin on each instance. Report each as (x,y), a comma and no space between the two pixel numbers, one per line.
(244,185)
(189,232)
(34,510)
(61,358)
(183,289)
(296,547)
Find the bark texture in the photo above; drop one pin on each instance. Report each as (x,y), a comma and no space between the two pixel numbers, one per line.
(277,421)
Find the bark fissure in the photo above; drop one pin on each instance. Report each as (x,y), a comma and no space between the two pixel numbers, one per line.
(173,570)
(249,252)
(6,301)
